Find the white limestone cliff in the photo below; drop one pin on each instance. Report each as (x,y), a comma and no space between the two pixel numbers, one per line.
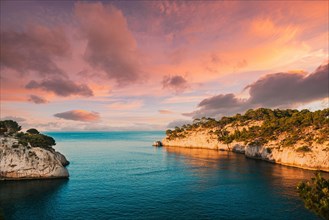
(25,162)
(316,158)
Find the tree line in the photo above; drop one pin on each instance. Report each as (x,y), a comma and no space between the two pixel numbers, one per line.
(274,123)
(32,137)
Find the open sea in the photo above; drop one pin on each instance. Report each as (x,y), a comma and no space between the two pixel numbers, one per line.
(119,175)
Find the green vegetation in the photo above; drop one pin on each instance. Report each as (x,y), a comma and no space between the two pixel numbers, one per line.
(32,137)
(36,140)
(315,194)
(9,127)
(292,124)
(33,131)
(303,149)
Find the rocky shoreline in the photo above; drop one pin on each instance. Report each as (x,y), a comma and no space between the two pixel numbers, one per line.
(285,136)
(317,159)
(18,162)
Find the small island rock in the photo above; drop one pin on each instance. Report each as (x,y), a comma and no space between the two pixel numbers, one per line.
(25,162)
(157,144)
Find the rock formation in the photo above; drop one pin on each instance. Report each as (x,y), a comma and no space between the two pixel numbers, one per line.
(26,162)
(316,159)
(298,139)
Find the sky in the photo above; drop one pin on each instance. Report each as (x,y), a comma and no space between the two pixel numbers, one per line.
(151,65)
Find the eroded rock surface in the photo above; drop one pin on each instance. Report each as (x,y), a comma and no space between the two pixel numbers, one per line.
(25,162)
(316,158)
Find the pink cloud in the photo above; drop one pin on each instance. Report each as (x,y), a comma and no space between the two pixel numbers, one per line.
(176,83)
(111,47)
(213,47)
(34,49)
(164,111)
(277,90)
(37,99)
(79,115)
(61,87)
(125,105)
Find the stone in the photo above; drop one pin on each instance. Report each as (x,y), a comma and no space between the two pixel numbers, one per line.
(25,162)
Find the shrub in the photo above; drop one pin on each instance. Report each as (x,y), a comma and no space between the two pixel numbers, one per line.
(33,131)
(36,140)
(32,136)
(15,145)
(290,123)
(41,140)
(9,127)
(303,149)
(168,132)
(20,134)
(315,194)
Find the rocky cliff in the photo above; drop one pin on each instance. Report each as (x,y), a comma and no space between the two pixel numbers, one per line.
(25,162)
(279,140)
(315,158)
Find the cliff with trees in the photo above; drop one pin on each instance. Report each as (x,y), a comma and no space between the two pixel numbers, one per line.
(289,137)
(28,155)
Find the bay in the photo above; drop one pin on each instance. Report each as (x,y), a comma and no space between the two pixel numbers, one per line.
(119,175)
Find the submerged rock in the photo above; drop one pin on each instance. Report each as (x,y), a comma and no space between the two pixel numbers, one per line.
(25,162)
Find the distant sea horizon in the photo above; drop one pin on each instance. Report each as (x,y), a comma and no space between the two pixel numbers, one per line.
(119,175)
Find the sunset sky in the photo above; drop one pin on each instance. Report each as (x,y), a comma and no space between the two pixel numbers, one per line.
(149,65)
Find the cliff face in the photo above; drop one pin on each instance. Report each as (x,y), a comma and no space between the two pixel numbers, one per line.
(315,157)
(200,138)
(21,162)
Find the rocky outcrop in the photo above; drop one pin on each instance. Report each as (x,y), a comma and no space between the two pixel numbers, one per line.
(315,157)
(200,138)
(157,144)
(25,162)
(61,158)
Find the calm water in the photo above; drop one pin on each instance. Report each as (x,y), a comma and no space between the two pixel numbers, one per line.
(119,175)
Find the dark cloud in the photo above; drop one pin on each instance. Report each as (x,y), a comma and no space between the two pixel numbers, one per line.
(61,87)
(284,89)
(79,115)
(271,91)
(219,105)
(111,47)
(34,50)
(221,101)
(37,99)
(177,83)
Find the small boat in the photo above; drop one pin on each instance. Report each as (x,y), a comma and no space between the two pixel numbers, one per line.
(157,144)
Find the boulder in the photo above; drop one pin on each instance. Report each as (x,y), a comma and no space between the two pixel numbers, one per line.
(25,162)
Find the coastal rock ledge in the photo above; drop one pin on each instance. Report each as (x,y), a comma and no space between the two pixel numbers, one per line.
(316,159)
(288,137)
(26,162)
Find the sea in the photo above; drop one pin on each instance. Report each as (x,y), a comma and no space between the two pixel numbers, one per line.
(119,175)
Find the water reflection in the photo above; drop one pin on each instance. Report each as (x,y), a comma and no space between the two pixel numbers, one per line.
(15,194)
(204,158)
(220,164)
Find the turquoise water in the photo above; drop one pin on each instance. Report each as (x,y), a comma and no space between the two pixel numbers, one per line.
(119,175)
